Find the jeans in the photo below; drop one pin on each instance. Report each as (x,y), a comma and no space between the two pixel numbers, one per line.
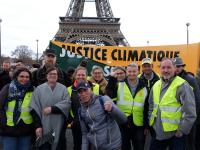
(173,143)
(77,135)
(16,143)
(190,138)
(132,135)
(197,143)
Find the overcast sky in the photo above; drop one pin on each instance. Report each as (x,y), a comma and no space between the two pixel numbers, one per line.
(161,22)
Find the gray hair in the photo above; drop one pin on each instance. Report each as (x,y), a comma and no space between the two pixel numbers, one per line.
(120,68)
(95,68)
(133,65)
(172,60)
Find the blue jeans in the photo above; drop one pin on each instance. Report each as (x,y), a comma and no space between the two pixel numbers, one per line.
(16,143)
(132,135)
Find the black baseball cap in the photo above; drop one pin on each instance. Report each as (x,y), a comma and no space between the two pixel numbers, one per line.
(50,52)
(83,85)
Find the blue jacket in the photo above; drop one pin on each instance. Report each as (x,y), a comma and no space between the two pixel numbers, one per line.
(100,128)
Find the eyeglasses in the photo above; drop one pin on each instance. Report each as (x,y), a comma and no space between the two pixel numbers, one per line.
(120,73)
(21,76)
(52,74)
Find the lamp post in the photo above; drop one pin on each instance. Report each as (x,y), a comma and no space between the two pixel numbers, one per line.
(187,25)
(0,36)
(147,43)
(37,49)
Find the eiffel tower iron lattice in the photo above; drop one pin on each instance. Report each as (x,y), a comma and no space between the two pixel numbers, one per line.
(103,30)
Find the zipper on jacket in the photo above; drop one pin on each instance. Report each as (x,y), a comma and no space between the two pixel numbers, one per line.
(109,137)
(95,139)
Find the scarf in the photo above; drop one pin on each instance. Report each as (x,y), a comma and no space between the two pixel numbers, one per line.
(102,84)
(17,92)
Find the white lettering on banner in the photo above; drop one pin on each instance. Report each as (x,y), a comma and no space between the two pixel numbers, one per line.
(63,53)
(106,70)
(69,54)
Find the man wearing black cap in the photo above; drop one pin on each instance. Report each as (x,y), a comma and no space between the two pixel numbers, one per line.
(98,116)
(178,62)
(39,76)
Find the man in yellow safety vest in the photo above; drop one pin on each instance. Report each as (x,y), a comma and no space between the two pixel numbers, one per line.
(171,108)
(130,96)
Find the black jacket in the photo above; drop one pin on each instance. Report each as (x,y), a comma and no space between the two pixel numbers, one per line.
(149,84)
(4,78)
(194,84)
(39,76)
(111,91)
(21,129)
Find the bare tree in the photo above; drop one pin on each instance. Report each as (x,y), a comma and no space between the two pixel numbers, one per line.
(22,52)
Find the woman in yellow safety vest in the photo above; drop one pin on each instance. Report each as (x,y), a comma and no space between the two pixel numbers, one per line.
(15,119)
(80,74)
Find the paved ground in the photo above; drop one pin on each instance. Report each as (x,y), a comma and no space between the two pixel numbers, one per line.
(70,140)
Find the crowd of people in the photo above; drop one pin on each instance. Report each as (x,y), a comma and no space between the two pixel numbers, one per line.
(115,113)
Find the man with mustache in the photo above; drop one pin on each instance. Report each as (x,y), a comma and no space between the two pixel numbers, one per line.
(39,76)
(172,109)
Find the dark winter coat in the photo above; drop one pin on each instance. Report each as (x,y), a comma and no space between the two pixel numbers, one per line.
(196,89)
(39,76)
(149,84)
(21,129)
(4,78)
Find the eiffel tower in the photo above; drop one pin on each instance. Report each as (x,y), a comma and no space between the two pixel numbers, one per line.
(103,30)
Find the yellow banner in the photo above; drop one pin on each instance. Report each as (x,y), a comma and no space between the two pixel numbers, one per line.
(122,56)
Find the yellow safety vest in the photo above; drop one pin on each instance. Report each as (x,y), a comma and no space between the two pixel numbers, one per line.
(127,104)
(25,111)
(169,107)
(95,90)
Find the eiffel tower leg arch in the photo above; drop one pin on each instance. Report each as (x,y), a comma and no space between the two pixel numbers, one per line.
(91,39)
(102,30)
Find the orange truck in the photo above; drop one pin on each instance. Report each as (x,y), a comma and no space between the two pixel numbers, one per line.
(69,54)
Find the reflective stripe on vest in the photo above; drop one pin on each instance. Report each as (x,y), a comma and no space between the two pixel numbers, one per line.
(127,104)
(170,108)
(25,110)
(95,90)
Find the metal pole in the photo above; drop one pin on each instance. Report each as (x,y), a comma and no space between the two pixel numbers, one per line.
(147,43)
(37,50)
(0,36)
(187,24)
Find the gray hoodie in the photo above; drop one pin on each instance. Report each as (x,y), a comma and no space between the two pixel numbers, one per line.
(99,127)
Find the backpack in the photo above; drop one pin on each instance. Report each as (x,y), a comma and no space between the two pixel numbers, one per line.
(83,119)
